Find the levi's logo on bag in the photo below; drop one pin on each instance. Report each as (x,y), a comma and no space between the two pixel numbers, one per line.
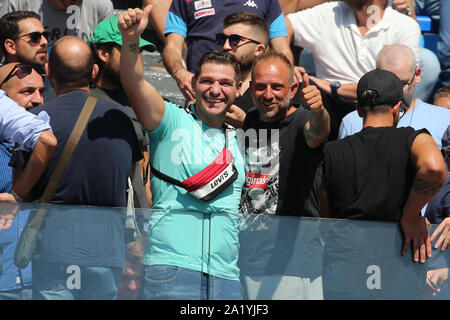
(211,181)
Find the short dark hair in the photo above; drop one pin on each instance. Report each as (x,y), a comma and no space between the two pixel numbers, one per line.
(108,47)
(272,54)
(70,73)
(442,92)
(367,102)
(255,21)
(9,26)
(219,58)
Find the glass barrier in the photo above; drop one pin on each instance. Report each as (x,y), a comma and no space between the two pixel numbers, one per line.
(285,258)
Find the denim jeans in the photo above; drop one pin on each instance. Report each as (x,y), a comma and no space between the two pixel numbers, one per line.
(436,9)
(53,281)
(427,8)
(164,282)
(443,45)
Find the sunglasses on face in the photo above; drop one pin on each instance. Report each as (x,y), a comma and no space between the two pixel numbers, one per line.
(233,39)
(35,37)
(23,69)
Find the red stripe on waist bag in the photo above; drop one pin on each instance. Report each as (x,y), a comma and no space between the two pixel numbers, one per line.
(201,178)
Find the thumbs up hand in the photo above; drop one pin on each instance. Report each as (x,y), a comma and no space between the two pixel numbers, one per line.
(311,95)
(133,22)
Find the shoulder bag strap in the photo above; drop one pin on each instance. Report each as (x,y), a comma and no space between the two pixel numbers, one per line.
(70,146)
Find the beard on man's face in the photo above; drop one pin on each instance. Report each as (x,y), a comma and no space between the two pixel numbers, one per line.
(112,75)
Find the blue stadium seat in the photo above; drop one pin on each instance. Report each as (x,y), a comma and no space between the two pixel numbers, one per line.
(430,29)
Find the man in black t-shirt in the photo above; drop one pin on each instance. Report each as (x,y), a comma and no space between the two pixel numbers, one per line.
(284,152)
(87,243)
(383,172)
(283,158)
(106,44)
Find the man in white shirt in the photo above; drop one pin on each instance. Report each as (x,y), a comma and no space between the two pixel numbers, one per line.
(347,47)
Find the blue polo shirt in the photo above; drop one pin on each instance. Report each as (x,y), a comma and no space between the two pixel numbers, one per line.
(198,21)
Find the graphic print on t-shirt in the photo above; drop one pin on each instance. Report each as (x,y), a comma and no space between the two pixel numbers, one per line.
(260,192)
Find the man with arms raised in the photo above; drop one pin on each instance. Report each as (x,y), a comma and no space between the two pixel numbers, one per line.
(195,235)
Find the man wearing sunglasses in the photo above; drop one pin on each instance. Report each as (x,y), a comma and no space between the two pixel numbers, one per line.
(23,84)
(359,181)
(245,36)
(65,17)
(400,60)
(198,22)
(23,38)
(97,174)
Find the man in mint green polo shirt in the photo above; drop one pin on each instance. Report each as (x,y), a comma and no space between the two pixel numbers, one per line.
(192,245)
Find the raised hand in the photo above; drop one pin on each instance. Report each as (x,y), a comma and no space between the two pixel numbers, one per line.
(311,95)
(133,22)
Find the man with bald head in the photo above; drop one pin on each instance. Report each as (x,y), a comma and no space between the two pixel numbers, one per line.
(24,88)
(400,60)
(24,85)
(96,175)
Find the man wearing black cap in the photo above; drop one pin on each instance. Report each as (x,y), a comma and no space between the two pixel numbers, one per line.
(383,172)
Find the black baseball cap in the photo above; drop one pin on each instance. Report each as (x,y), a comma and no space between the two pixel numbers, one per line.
(385,83)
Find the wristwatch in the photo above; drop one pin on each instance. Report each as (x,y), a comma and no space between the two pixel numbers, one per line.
(15,195)
(334,88)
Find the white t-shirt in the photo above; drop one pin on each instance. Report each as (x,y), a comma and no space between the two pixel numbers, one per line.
(79,20)
(340,53)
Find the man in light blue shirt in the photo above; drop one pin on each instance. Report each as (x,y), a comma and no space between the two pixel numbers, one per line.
(29,132)
(400,60)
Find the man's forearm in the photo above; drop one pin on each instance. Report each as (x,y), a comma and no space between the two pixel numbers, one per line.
(319,128)
(39,158)
(430,175)
(172,59)
(422,191)
(348,91)
(132,68)
(281,44)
